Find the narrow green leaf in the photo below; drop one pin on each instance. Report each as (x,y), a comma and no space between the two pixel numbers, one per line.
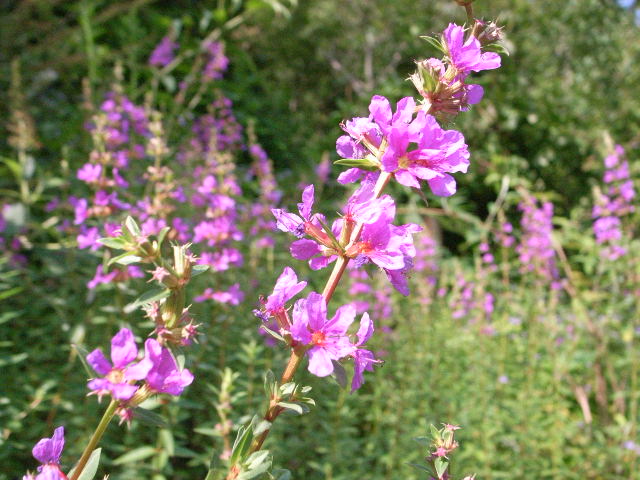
(82,355)
(274,334)
(113,242)
(270,383)
(363,163)
(198,270)
(294,407)
(263,426)
(434,42)
(441,466)
(132,226)
(125,259)
(149,296)
(288,388)
(258,458)
(241,445)
(420,467)
(149,417)
(135,455)
(162,234)
(10,293)
(91,467)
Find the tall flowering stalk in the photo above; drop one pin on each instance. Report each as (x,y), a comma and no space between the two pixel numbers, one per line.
(613,204)
(405,144)
(535,251)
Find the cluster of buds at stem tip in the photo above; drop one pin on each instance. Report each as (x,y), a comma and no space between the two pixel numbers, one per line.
(443,82)
(444,443)
(168,311)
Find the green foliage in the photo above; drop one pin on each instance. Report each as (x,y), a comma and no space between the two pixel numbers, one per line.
(549,392)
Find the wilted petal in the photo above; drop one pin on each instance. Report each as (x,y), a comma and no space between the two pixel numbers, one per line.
(363,360)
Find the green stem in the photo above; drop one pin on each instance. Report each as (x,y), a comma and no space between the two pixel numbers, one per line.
(95,439)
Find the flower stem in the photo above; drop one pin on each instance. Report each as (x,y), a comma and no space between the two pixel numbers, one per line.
(297,352)
(95,438)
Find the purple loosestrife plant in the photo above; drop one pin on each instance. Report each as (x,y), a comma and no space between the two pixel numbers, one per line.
(535,251)
(408,145)
(613,204)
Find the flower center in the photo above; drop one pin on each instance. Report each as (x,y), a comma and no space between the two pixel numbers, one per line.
(403,162)
(318,338)
(115,376)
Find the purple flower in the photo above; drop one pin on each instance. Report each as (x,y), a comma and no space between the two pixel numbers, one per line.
(439,151)
(88,238)
(48,451)
(328,338)
(287,286)
(363,207)
(379,244)
(233,296)
(117,377)
(163,54)
(90,173)
(363,359)
(536,250)
(468,56)
(290,222)
(164,375)
(217,62)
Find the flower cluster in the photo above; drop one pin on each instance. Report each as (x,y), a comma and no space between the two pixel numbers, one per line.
(413,148)
(157,370)
(128,174)
(443,82)
(388,246)
(613,204)
(536,252)
(324,340)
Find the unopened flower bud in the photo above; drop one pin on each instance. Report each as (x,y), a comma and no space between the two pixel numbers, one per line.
(487,32)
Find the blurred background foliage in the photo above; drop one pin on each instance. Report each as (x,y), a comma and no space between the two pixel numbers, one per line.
(298,69)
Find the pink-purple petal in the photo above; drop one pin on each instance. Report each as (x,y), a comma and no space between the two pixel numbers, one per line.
(99,362)
(123,348)
(320,362)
